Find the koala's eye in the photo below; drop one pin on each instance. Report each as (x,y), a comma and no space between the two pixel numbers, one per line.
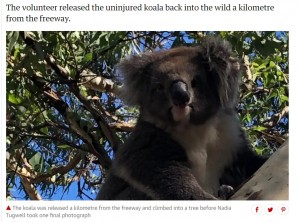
(158,88)
(194,83)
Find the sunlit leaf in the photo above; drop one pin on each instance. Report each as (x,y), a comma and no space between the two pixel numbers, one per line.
(14,99)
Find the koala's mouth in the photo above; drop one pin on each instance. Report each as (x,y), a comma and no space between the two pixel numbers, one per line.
(181,112)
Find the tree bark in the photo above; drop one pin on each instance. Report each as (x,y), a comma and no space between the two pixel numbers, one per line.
(271,181)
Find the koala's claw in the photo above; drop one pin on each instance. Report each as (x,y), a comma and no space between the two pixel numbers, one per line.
(225,191)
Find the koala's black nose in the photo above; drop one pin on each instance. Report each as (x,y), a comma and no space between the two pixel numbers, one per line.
(179,93)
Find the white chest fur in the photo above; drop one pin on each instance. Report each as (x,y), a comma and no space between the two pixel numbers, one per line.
(209,147)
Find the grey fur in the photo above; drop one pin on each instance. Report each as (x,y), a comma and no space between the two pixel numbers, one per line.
(188,141)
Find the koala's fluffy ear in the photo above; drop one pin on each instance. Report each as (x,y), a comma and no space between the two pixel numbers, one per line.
(218,53)
(135,72)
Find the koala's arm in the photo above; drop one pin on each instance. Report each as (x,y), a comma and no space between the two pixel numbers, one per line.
(156,165)
(244,165)
(175,182)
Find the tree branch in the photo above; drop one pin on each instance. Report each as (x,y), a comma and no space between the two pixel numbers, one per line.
(271,181)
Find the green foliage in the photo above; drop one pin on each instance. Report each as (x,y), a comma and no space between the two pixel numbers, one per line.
(61,131)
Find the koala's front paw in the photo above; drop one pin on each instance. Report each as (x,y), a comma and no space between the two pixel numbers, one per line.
(225,191)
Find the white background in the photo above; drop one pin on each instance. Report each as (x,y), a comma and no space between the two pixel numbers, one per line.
(285,17)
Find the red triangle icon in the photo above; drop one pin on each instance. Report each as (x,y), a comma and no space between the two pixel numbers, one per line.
(8,208)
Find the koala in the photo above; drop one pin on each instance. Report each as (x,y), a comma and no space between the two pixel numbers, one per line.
(188,142)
